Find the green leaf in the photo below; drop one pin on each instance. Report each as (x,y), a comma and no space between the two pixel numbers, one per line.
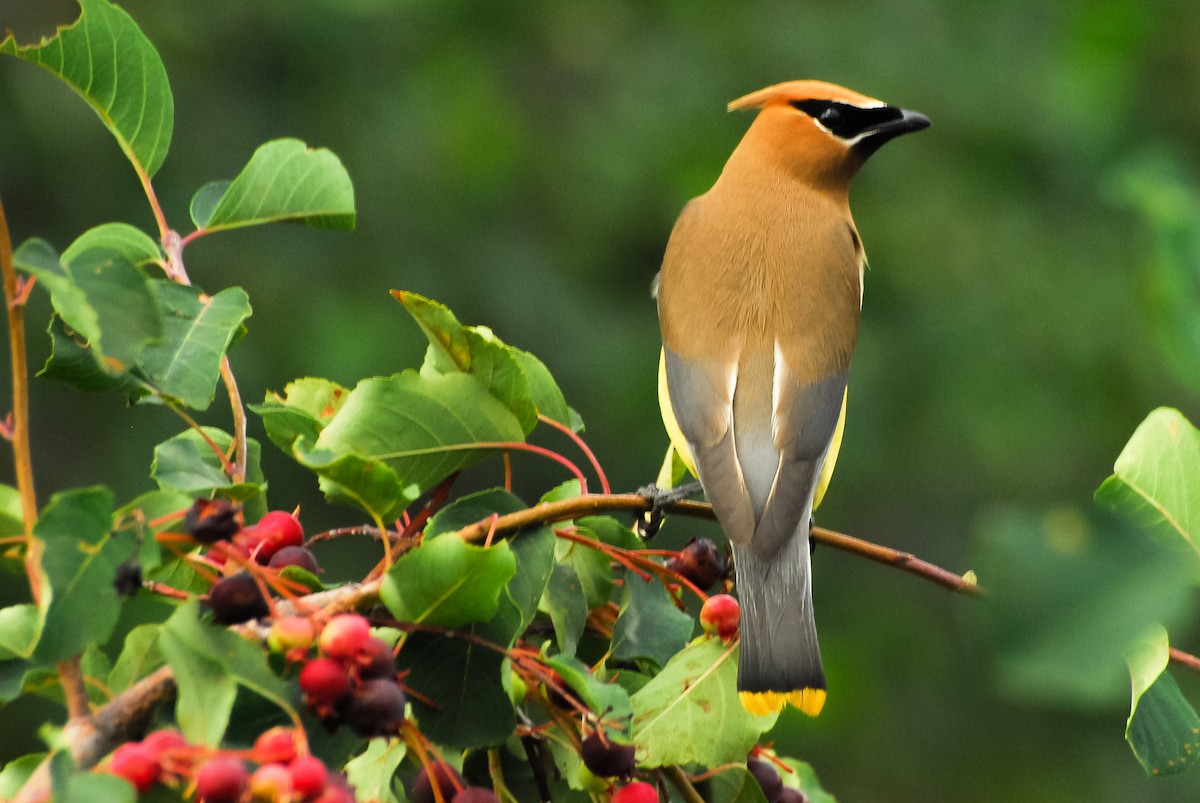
(102,296)
(197,332)
(1067,598)
(608,699)
(547,396)
(80,557)
(188,464)
(1163,729)
(284,180)
(462,678)
(129,241)
(533,547)
(209,663)
(303,410)
(567,607)
(20,626)
(107,59)
(205,201)
(372,771)
(474,350)
(71,361)
(804,778)
(16,773)
(11,517)
(1154,478)
(690,713)
(735,785)
(139,657)
(136,516)
(649,625)
(447,582)
(592,568)
(395,437)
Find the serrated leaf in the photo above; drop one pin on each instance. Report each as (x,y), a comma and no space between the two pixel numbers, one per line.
(102,296)
(1154,477)
(79,560)
(395,437)
(690,713)
(1067,598)
(567,607)
(474,350)
(546,395)
(371,772)
(447,582)
(461,677)
(187,463)
(649,625)
(198,329)
(109,62)
(284,180)
(209,663)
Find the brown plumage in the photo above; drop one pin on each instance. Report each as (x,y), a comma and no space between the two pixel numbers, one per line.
(759,300)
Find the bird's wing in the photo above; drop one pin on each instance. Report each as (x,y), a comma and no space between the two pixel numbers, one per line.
(701,398)
(805,422)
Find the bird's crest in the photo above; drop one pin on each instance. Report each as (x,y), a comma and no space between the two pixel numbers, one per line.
(790,91)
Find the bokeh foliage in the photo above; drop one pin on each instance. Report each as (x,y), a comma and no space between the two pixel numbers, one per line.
(523,162)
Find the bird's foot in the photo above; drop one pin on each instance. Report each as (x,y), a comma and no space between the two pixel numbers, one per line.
(649,522)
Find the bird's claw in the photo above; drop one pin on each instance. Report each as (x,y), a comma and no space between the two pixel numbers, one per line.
(649,521)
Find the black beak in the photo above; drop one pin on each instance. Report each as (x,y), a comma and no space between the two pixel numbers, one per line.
(899,121)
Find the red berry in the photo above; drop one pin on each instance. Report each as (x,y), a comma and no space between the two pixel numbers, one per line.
(475,794)
(274,531)
(448,781)
(606,758)
(767,776)
(237,599)
(376,660)
(271,783)
(163,741)
(325,683)
(212,520)
(376,708)
(275,746)
(720,615)
(136,763)
(344,636)
(701,563)
(309,776)
(636,792)
(295,556)
(222,780)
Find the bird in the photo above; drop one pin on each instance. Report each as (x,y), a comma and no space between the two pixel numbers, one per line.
(759,297)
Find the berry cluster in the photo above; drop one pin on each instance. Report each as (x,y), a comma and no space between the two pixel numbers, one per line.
(772,785)
(283,774)
(353,681)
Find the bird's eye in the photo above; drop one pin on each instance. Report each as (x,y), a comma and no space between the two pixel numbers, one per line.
(830,117)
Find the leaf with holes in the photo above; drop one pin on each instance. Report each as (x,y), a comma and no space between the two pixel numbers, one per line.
(109,62)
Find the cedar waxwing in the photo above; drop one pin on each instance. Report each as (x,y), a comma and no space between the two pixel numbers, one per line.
(758,300)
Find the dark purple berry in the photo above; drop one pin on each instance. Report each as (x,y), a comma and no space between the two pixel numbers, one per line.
(701,563)
(790,795)
(443,775)
(237,599)
(376,660)
(606,758)
(376,708)
(212,520)
(767,776)
(295,556)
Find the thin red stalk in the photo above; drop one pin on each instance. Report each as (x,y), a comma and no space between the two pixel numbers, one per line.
(583,447)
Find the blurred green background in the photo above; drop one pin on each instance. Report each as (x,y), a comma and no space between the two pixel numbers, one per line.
(523,163)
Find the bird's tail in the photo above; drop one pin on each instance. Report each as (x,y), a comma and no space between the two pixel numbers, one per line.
(780,661)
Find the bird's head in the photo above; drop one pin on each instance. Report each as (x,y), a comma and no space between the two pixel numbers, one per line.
(822,131)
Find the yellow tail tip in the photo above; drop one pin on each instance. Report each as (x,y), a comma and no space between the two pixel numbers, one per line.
(762,703)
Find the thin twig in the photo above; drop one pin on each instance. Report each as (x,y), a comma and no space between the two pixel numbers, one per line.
(680,781)
(240,438)
(1185,659)
(20,377)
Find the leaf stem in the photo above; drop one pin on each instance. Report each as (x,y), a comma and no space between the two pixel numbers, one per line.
(583,447)
(1185,659)
(20,378)
(240,438)
(680,781)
